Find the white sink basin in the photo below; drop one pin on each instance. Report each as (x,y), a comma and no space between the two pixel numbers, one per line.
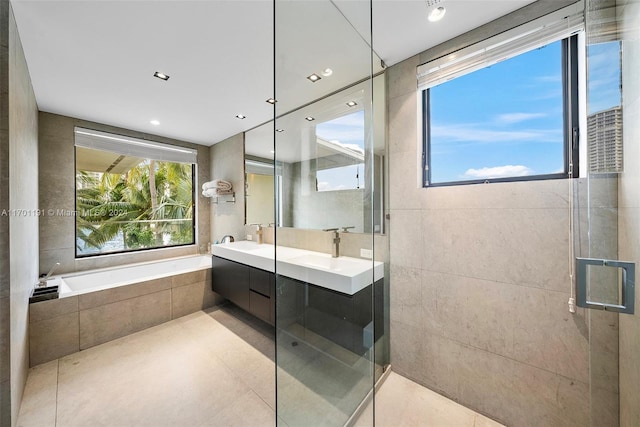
(249,253)
(343,274)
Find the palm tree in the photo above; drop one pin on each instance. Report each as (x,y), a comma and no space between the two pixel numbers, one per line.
(145,205)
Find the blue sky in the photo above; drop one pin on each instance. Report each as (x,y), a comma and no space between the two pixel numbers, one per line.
(349,131)
(506,120)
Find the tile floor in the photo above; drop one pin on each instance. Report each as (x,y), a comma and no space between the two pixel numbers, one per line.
(210,368)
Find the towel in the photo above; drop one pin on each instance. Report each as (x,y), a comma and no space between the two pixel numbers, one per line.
(217,184)
(213,192)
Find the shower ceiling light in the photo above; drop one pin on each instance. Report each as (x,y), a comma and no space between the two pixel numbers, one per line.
(352,103)
(161,76)
(314,77)
(436,14)
(271,101)
(241,116)
(154,122)
(327,72)
(309,119)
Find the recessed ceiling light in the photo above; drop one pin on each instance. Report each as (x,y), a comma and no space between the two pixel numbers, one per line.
(279,130)
(272,151)
(314,77)
(437,14)
(154,122)
(352,103)
(309,119)
(161,76)
(327,72)
(241,116)
(271,101)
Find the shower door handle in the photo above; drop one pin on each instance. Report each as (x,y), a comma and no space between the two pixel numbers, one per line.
(627,299)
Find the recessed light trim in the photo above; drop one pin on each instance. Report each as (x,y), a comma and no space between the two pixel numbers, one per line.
(327,72)
(314,78)
(279,130)
(161,76)
(309,118)
(241,116)
(436,14)
(271,101)
(352,103)
(155,122)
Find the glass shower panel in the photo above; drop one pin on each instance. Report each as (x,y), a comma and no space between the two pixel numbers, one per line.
(605,197)
(325,159)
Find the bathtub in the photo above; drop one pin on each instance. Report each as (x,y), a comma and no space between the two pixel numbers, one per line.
(101,305)
(112,277)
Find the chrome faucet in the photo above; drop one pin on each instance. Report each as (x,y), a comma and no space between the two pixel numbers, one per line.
(258,233)
(335,250)
(43,281)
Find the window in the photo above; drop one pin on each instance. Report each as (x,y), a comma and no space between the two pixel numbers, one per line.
(507,111)
(340,145)
(132,194)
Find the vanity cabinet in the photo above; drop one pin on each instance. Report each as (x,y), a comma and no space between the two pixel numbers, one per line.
(250,288)
(346,320)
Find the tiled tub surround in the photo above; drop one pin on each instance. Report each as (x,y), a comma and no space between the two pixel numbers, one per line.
(84,318)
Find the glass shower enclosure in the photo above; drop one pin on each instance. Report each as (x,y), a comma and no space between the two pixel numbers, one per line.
(331,344)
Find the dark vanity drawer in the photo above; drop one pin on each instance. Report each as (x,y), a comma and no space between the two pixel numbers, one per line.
(260,306)
(259,281)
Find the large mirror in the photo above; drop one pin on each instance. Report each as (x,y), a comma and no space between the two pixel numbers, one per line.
(321,173)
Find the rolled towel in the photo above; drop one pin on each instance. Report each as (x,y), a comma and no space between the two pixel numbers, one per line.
(217,183)
(213,192)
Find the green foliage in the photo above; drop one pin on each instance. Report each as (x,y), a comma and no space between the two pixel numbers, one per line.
(112,207)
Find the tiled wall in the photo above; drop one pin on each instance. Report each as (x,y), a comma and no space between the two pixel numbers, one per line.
(480,278)
(23,195)
(63,326)
(227,162)
(57,192)
(629,219)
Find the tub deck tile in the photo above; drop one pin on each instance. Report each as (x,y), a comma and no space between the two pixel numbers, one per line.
(121,293)
(44,310)
(108,322)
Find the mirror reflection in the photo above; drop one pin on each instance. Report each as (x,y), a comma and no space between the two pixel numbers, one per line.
(324,172)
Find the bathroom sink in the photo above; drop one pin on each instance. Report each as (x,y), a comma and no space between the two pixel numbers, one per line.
(326,262)
(246,252)
(246,245)
(343,274)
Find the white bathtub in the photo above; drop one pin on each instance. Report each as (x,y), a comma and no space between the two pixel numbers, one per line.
(106,278)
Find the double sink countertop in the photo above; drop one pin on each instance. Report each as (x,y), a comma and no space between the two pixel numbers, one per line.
(343,274)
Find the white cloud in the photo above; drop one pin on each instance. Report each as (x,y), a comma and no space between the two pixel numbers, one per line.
(325,186)
(511,118)
(498,172)
(476,133)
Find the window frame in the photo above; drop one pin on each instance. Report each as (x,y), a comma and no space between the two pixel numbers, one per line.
(571,125)
(194,198)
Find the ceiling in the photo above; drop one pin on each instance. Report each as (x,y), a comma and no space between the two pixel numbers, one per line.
(95,60)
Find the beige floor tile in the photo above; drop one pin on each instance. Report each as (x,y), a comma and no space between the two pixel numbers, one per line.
(401,402)
(39,409)
(162,378)
(239,415)
(216,368)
